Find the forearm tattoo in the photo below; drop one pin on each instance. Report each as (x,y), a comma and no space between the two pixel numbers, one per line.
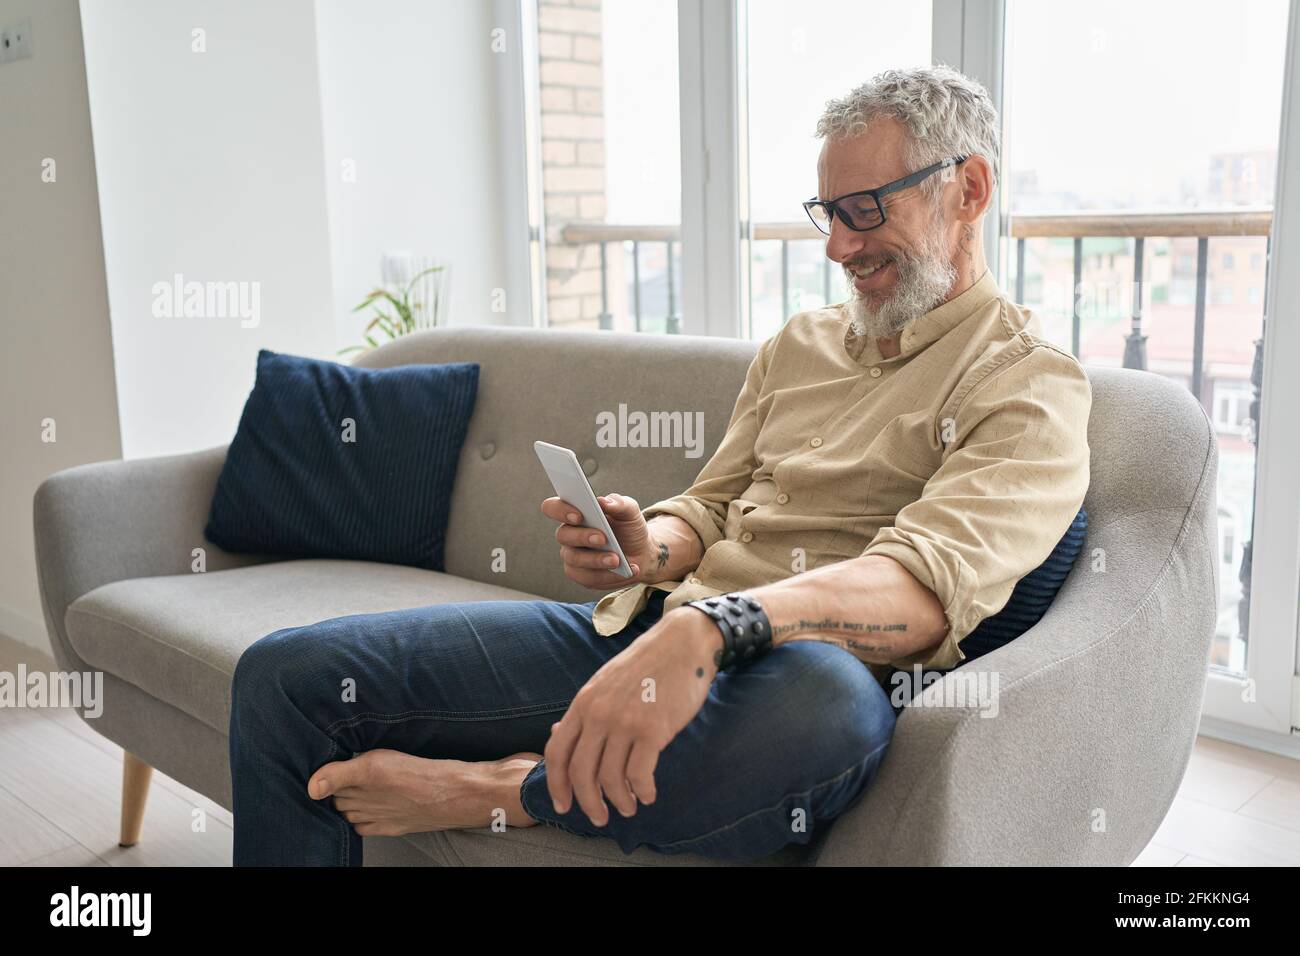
(661,554)
(852,635)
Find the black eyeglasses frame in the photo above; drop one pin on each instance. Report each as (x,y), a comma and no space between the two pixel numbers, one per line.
(831,206)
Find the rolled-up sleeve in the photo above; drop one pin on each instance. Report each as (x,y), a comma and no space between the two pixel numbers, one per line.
(728,473)
(1012,478)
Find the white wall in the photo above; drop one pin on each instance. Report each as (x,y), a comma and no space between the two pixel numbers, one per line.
(214,165)
(210,165)
(408,96)
(226,166)
(57,359)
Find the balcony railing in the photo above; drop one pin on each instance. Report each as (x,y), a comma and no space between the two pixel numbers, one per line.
(1202,226)
(585,234)
(1138,226)
(579,234)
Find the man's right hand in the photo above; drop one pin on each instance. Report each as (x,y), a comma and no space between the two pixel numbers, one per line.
(580,552)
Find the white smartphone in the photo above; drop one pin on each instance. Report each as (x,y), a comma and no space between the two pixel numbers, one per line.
(571,485)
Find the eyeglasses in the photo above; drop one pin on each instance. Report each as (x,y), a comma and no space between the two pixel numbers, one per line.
(863,210)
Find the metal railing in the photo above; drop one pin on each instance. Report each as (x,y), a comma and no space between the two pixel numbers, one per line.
(1138,226)
(602,234)
(1202,226)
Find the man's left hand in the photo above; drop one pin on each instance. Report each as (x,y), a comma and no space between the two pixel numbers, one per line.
(621,720)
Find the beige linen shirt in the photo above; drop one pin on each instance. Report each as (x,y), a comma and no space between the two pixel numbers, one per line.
(964,458)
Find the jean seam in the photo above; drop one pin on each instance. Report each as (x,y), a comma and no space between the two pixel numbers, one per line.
(523,801)
(401,716)
(565,828)
(679,845)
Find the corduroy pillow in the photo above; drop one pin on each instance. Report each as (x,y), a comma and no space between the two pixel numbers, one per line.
(332,461)
(1029,601)
(1032,596)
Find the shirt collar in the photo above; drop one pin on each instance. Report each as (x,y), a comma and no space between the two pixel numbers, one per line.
(928,328)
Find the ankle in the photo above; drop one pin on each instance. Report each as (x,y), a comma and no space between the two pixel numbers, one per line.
(502,781)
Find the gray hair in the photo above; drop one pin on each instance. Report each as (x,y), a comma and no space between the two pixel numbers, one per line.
(946,113)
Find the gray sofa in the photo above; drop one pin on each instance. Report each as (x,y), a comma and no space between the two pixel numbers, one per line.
(1098,703)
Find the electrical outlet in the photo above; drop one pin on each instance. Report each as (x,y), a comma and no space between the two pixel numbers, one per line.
(16,41)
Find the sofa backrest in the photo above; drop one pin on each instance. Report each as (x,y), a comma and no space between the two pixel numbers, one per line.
(1147,434)
(551,385)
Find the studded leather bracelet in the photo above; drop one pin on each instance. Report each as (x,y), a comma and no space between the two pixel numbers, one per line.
(746,631)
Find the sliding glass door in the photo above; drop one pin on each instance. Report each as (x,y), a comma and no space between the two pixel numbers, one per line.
(1139,189)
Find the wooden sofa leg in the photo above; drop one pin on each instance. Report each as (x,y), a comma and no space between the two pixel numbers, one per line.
(136,775)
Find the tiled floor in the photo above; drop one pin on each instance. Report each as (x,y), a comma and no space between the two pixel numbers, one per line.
(60,784)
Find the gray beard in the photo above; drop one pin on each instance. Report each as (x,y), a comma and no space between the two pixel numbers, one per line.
(924,280)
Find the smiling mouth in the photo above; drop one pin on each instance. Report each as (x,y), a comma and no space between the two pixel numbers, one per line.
(869,278)
(864,271)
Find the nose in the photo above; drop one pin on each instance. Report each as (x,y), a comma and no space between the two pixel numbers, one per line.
(844,244)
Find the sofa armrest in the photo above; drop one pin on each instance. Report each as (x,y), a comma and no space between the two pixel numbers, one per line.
(113,520)
(1089,731)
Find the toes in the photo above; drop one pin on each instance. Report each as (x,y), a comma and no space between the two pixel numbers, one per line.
(339,775)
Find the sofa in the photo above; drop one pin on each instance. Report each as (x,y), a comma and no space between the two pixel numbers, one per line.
(1098,703)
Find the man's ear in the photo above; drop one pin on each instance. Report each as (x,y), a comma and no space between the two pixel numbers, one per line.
(974,180)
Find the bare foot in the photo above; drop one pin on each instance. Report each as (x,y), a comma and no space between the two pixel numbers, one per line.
(388,793)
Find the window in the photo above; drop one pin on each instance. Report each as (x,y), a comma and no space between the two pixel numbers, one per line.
(610,158)
(1232,406)
(797,60)
(1061,160)
(1226,649)
(1227,537)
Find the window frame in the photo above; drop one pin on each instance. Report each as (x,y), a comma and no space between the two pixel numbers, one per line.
(1261,707)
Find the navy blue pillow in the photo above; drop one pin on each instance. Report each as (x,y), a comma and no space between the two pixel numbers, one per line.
(1032,596)
(292,485)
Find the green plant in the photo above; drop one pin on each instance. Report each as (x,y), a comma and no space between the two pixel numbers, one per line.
(404,321)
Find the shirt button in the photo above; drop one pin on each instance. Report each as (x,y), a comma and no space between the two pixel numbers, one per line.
(782,498)
(816,443)
(692,580)
(747,536)
(875,372)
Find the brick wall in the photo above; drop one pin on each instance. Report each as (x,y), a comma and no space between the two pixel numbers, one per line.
(573,156)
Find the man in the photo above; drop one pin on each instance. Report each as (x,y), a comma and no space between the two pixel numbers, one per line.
(919,447)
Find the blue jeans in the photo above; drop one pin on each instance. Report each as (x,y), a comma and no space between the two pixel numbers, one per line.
(779,749)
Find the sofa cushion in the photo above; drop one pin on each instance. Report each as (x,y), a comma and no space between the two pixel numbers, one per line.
(332,461)
(179,637)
